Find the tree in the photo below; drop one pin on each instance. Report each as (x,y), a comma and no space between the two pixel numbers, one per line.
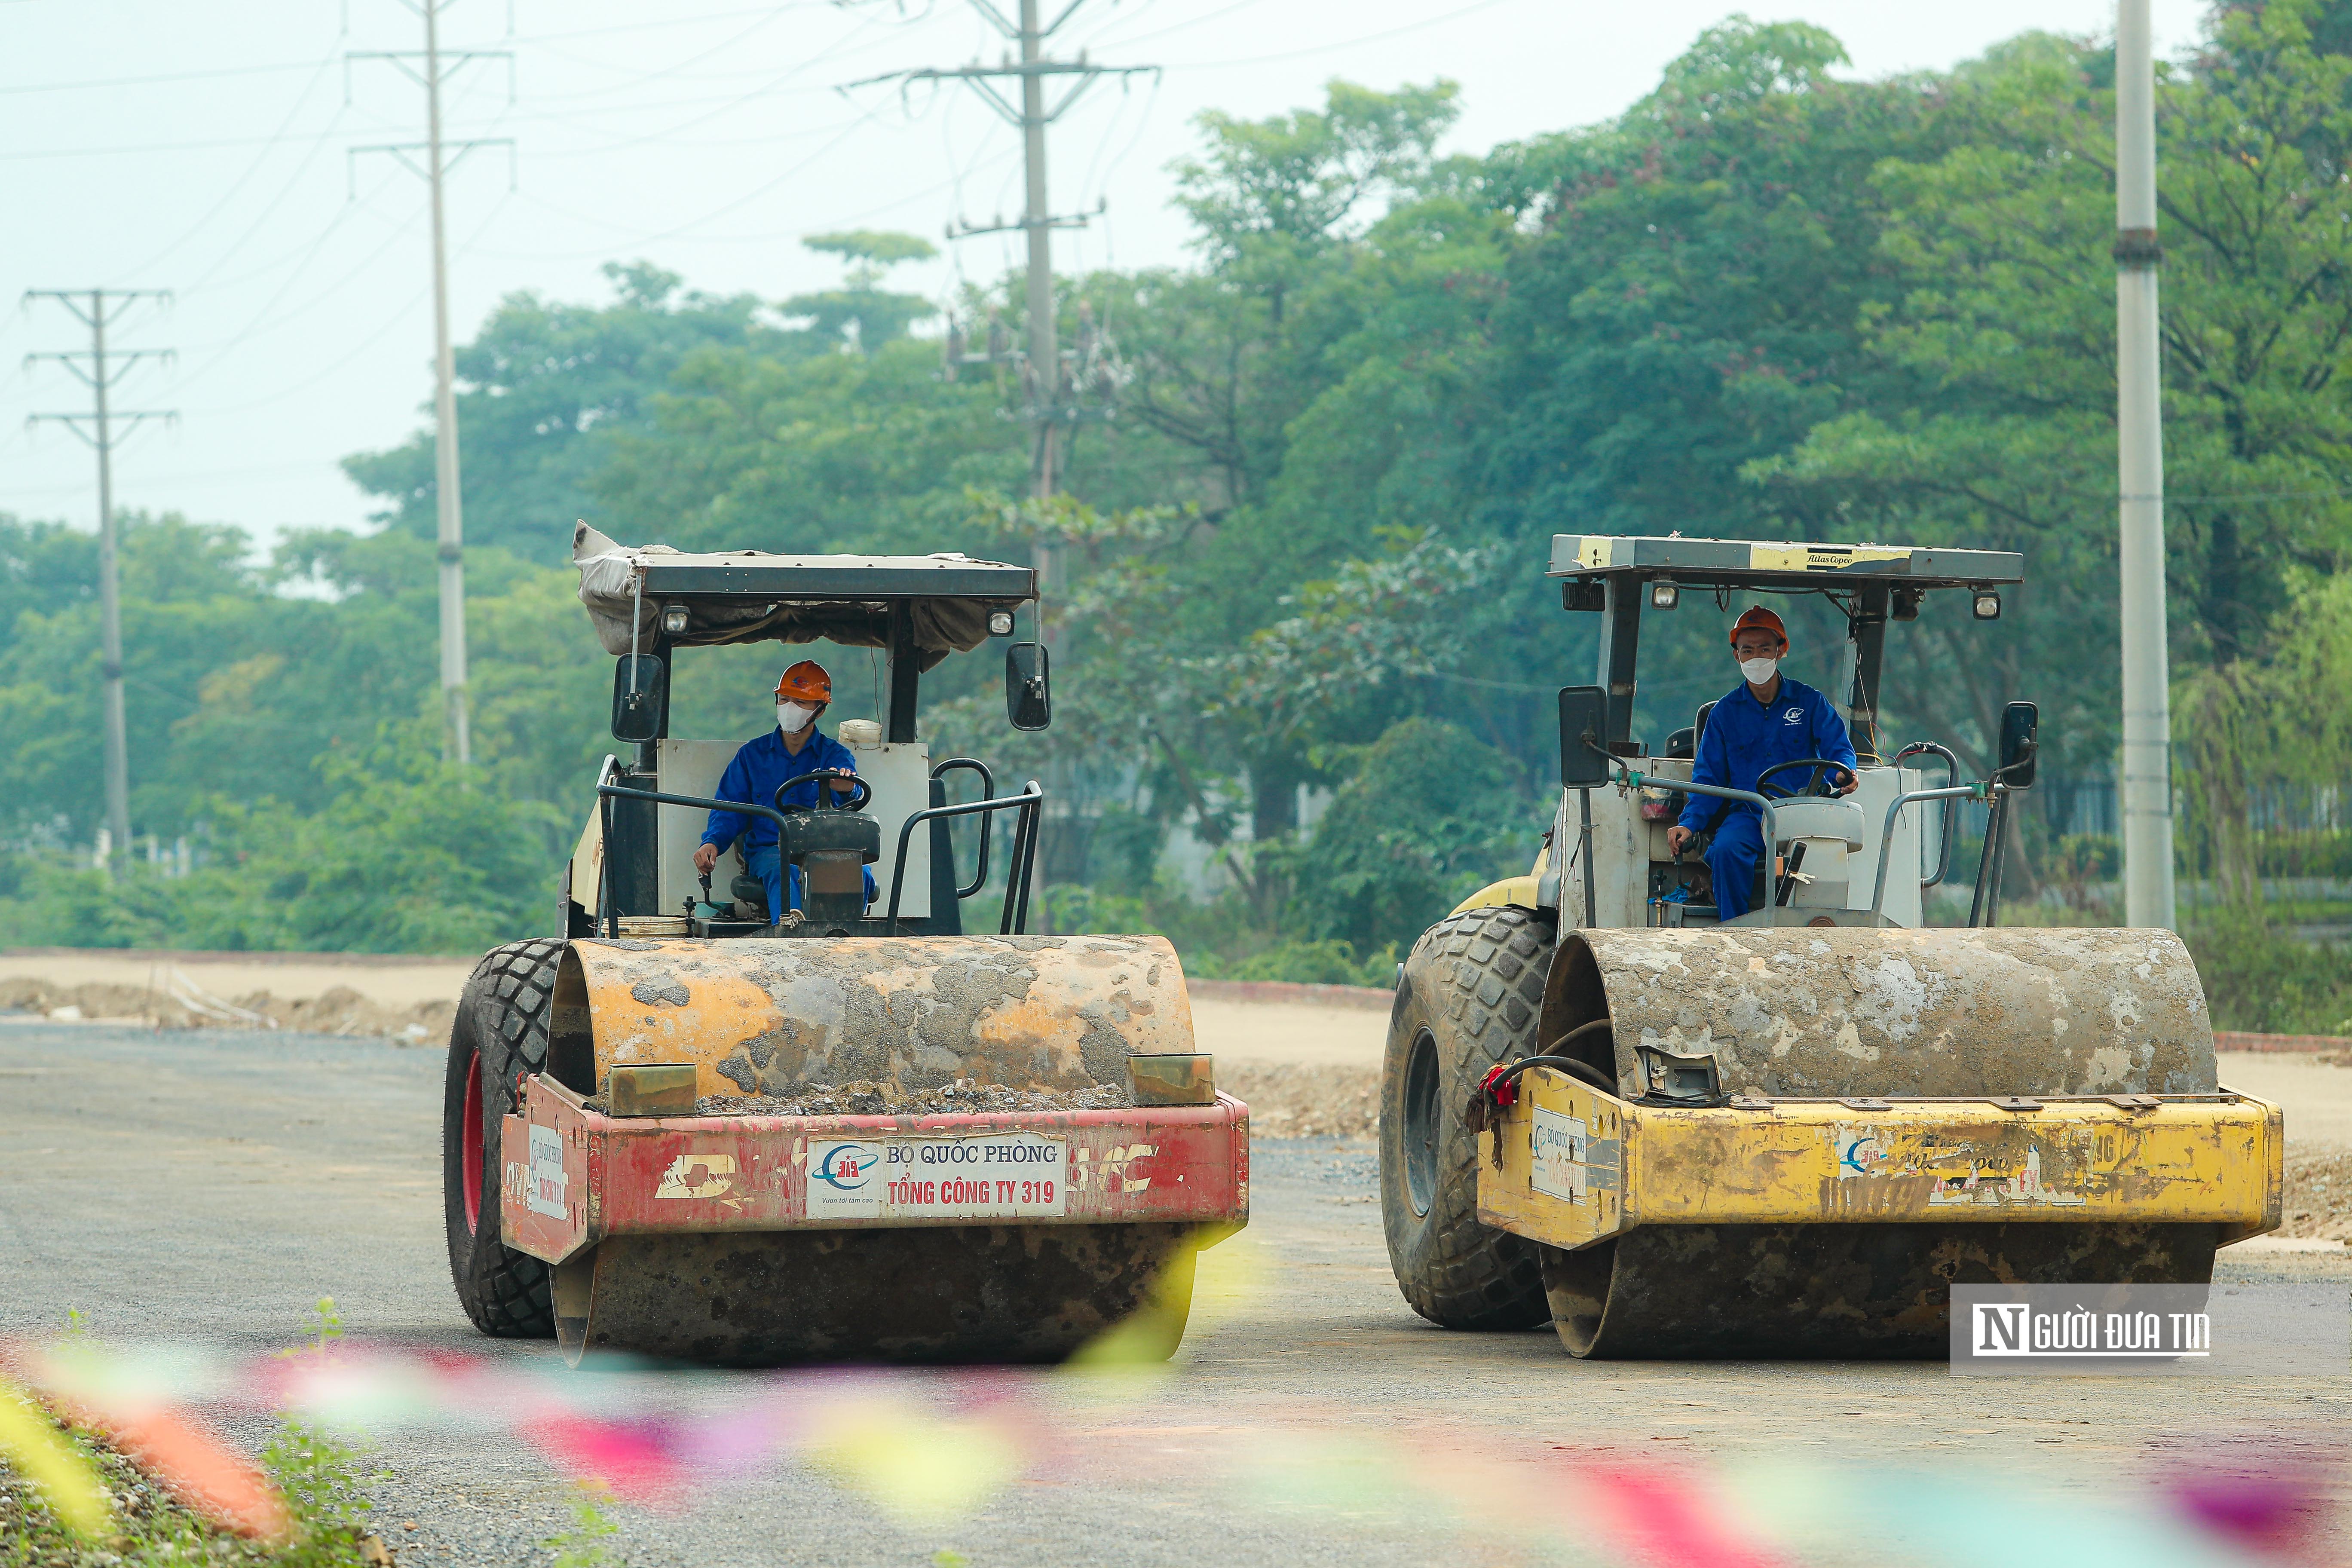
(543,386)
(1427,816)
(864,316)
(1994,423)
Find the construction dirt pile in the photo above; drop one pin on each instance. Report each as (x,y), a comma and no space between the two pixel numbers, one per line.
(880,1099)
(1295,1101)
(2318,1194)
(339,1011)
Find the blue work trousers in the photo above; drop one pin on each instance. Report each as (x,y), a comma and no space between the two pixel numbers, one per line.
(1731,860)
(767,863)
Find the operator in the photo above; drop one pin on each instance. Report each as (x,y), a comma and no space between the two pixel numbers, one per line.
(1765,719)
(793,747)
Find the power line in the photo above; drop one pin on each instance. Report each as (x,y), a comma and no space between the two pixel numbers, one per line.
(1044,409)
(239,183)
(1325,48)
(219,73)
(253,327)
(720,211)
(17,89)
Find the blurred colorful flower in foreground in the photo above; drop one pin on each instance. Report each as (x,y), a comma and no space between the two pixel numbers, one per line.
(134,1403)
(924,1448)
(68,1482)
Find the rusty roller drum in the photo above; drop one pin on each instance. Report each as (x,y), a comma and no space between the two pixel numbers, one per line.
(1846,1012)
(962,1293)
(907,1013)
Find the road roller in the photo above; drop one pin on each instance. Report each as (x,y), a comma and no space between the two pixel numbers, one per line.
(1790,1132)
(877,1128)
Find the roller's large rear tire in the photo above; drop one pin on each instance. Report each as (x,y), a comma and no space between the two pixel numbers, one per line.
(499,1037)
(1470,996)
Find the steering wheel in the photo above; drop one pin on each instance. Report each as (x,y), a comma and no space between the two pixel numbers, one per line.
(1819,784)
(857,801)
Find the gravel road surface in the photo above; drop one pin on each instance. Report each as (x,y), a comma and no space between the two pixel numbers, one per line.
(207,1188)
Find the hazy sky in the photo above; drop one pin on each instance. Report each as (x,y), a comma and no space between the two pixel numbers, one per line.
(207,150)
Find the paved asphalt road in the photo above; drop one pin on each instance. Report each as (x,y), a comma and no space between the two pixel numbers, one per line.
(207,1188)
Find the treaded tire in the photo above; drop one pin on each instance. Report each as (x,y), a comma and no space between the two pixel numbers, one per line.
(1471,995)
(498,1037)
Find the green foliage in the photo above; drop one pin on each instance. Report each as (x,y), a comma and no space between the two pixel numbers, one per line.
(318,1478)
(1297,179)
(583,1546)
(1766,302)
(1324,963)
(1427,816)
(426,860)
(544,388)
(2260,978)
(820,453)
(864,316)
(2257,730)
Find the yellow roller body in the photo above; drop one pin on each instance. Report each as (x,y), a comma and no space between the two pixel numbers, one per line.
(1900,1111)
(1577,1166)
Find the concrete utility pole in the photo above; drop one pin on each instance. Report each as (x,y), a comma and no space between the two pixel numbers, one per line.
(99,309)
(1047,410)
(2140,430)
(1044,354)
(447,487)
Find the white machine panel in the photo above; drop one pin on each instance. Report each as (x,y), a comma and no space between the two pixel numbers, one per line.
(900,774)
(689,767)
(1624,845)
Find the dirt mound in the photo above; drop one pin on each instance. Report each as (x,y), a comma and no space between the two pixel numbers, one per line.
(2318,1195)
(174,1002)
(1291,1100)
(878,1099)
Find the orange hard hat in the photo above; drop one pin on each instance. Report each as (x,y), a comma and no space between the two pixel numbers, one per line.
(1758,618)
(805,682)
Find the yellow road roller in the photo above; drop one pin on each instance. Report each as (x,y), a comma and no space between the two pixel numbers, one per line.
(1791,1131)
(705,1124)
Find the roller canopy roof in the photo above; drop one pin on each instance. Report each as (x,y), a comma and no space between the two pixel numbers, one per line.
(751,595)
(1736,561)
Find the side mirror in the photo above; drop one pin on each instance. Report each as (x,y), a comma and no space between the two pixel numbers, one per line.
(2019,722)
(1028,687)
(1583,722)
(640,697)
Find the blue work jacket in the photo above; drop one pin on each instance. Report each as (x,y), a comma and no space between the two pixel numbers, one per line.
(758,768)
(1744,737)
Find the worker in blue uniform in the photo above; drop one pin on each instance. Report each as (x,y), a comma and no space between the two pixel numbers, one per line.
(1765,719)
(793,747)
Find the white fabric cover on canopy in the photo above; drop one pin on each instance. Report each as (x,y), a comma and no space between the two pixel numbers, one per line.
(608,588)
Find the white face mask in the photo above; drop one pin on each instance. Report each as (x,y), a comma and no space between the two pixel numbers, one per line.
(1759,671)
(791,718)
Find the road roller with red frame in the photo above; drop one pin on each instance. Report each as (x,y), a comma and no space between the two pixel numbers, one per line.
(862,1133)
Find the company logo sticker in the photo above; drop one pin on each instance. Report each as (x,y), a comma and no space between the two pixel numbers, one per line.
(543,1181)
(1793,716)
(1002,1175)
(846,1167)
